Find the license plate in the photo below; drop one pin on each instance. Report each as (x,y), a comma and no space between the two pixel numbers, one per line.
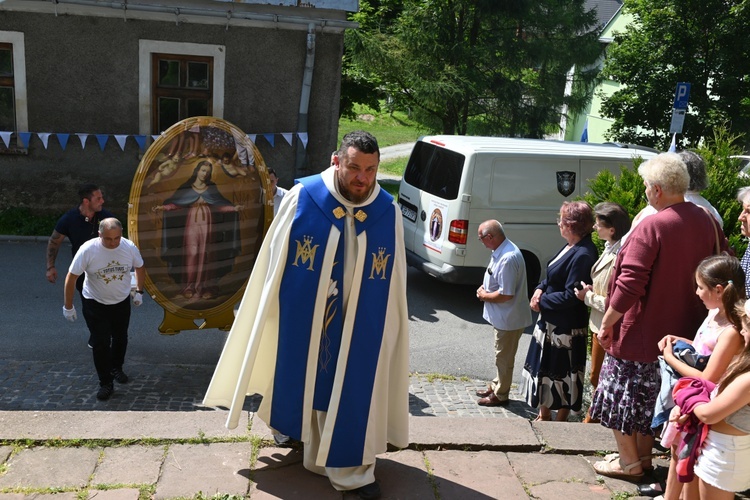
(409,213)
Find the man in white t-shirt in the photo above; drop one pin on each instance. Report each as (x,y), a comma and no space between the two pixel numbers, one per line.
(107,261)
(504,292)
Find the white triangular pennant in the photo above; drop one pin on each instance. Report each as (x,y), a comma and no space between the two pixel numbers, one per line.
(121,140)
(288,137)
(303,138)
(6,138)
(44,136)
(154,137)
(83,138)
(252,137)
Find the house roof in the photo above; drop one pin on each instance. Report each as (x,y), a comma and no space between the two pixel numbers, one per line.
(605,10)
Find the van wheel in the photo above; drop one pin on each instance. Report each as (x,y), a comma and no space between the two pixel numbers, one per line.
(533,270)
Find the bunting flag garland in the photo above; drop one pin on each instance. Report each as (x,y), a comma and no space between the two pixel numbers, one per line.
(63,138)
(121,139)
(102,138)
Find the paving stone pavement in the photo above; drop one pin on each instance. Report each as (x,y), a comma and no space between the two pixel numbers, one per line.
(66,386)
(448,458)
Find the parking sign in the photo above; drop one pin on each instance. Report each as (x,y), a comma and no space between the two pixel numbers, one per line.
(681,96)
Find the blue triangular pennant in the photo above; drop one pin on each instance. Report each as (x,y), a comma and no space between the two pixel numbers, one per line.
(141,140)
(63,139)
(269,138)
(102,138)
(25,136)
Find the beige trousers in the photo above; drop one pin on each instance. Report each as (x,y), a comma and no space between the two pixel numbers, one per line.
(506,345)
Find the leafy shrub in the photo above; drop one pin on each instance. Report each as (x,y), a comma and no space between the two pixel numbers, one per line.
(21,221)
(724,181)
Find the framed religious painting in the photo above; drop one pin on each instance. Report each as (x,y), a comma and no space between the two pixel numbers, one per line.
(199,208)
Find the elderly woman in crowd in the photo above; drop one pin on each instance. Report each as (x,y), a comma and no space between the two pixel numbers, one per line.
(556,360)
(612,222)
(698,182)
(651,294)
(743,196)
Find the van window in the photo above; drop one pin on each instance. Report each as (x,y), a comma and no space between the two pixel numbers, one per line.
(435,170)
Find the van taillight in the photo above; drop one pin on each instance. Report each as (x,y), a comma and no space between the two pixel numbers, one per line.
(458,231)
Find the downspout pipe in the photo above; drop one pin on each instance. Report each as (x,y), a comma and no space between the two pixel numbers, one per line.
(304,102)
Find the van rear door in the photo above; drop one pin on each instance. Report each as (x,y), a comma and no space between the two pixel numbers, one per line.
(428,199)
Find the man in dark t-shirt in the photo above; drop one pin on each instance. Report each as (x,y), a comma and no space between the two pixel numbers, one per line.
(79,225)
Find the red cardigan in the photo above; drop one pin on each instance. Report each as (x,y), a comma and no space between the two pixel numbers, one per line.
(653,281)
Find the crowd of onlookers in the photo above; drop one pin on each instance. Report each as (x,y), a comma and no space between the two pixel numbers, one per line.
(670,349)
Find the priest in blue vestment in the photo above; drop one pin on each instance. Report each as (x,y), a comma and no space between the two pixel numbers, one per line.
(322,330)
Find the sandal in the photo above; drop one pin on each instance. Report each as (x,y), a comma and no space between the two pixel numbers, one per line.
(608,468)
(611,457)
(647,458)
(541,418)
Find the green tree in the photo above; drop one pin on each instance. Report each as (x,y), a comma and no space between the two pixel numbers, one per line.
(500,67)
(357,87)
(703,42)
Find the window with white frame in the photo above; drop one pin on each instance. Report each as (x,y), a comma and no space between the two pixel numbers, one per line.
(7,86)
(179,80)
(13,109)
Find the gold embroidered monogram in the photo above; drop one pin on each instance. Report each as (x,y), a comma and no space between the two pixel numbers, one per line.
(306,252)
(339,212)
(379,263)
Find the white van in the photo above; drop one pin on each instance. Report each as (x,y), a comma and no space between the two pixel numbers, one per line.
(453,183)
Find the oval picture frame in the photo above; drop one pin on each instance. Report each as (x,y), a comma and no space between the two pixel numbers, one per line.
(200,205)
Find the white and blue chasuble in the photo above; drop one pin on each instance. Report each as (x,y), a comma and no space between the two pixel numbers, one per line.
(307,342)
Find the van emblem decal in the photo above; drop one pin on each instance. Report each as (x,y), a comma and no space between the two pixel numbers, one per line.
(566,182)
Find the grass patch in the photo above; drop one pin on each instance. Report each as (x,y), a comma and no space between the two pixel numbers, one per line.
(21,221)
(391,187)
(21,444)
(394,167)
(432,377)
(431,477)
(388,128)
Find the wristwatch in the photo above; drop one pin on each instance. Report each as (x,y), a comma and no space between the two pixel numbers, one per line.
(139,291)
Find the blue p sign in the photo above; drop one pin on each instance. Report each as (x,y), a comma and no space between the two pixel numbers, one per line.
(681,96)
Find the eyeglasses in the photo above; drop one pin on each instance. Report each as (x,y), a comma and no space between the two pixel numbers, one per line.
(483,237)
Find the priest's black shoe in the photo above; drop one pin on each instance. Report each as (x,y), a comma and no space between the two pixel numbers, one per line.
(369,491)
